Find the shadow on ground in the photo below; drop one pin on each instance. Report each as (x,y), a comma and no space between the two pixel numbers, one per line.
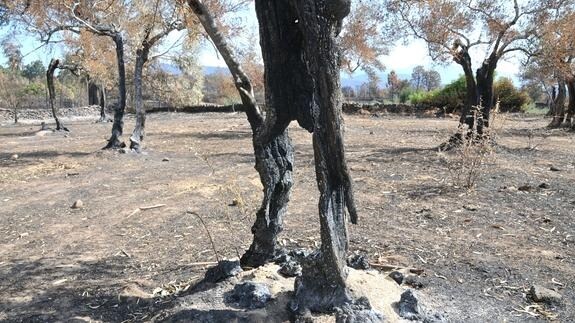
(64,290)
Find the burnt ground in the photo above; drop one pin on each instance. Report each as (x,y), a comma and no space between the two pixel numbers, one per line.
(480,250)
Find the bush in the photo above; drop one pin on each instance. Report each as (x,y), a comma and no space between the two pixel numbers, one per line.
(405,94)
(452,97)
(510,98)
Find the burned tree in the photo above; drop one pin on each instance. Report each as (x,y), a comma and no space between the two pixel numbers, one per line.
(557,110)
(151,15)
(302,59)
(55,64)
(97,96)
(452,29)
(272,149)
(302,64)
(111,31)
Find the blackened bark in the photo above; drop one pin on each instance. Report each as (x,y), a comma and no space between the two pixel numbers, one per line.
(118,126)
(97,96)
(138,133)
(274,163)
(484,77)
(103,102)
(93,93)
(281,50)
(472,96)
(571,106)
(273,153)
(322,286)
(52,93)
(558,108)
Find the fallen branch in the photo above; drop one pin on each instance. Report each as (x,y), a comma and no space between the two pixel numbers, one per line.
(206,263)
(388,267)
(144,208)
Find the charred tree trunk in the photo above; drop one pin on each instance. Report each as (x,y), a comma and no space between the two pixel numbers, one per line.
(571,106)
(484,77)
(558,109)
(52,93)
(103,101)
(93,93)
(322,286)
(139,131)
(118,126)
(97,96)
(472,96)
(273,152)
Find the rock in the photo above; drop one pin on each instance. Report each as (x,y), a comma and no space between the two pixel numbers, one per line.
(223,270)
(78,204)
(544,186)
(290,268)
(249,295)
(14,157)
(397,277)
(554,169)
(543,295)
(471,208)
(166,159)
(414,281)
(123,151)
(371,132)
(360,262)
(525,188)
(360,311)
(408,306)
(236,202)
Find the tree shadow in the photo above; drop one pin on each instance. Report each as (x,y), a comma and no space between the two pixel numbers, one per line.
(223,135)
(63,290)
(34,157)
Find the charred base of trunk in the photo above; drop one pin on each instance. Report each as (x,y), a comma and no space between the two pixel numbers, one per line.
(61,127)
(115,143)
(555,123)
(315,290)
(135,146)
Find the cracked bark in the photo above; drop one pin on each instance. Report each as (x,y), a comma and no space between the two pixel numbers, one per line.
(322,285)
(273,152)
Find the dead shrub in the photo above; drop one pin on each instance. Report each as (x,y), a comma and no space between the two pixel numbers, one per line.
(468,161)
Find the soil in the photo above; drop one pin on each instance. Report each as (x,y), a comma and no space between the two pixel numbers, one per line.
(480,250)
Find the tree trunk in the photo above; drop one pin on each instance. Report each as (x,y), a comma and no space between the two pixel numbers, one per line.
(484,77)
(559,105)
(139,131)
(93,93)
(103,100)
(52,93)
(322,286)
(273,153)
(118,126)
(571,106)
(472,96)
(97,96)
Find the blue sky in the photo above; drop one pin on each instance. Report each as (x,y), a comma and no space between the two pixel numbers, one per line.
(402,58)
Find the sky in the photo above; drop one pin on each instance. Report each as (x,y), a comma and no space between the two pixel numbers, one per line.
(402,58)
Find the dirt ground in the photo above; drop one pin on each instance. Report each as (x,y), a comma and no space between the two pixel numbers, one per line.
(480,250)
